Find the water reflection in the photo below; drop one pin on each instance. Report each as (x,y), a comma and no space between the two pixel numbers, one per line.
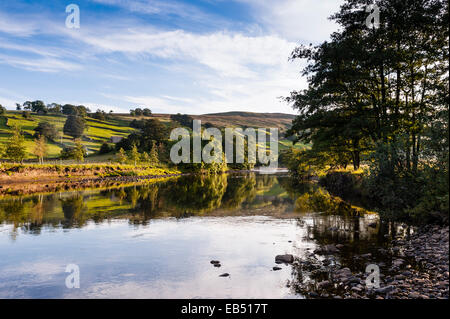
(183,197)
(156,240)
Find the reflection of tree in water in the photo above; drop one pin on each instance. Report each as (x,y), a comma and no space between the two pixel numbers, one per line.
(313,198)
(265,181)
(14,212)
(73,210)
(146,204)
(295,187)
(182,197)
(239,189)
(356,238)
(197,194)
(28,213)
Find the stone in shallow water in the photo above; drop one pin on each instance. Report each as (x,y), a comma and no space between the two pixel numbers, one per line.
(284,259)
(276,268)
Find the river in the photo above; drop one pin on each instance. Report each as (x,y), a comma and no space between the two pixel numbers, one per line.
(157,240)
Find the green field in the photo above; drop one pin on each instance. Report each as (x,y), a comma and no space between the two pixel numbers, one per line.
(96,133)
(118,125)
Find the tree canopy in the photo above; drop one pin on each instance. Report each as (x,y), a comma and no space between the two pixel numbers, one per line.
(74,126)
(377,93)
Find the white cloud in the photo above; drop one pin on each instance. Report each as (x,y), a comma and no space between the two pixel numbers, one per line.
(297,20)
(229,54)
(39,64)
(18,26)
(9,98)
(158,104)
(221,70)
(99,106)
(8,103)
(235,71)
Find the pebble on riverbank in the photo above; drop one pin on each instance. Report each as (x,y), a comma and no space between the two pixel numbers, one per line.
(419,269)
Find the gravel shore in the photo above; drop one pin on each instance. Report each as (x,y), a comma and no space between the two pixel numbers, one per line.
(416,267)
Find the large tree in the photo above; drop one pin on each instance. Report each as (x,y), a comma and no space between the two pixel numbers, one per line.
(35,106)
(371,86)
(15,146)
(151,131)
(382,92)
(47,130)
(74,126)
(79,110)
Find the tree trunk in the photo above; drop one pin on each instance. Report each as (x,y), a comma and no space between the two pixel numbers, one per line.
(356,160)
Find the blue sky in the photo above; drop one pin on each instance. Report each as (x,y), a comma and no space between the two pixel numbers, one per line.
(199,56)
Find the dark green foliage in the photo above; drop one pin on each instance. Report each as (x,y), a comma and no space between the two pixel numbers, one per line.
(137,124)
(78,152)
(152,130)
(78,110)
(379,95)
(100,115)
(35,106)
(74,126)
(105,148)
(141,112)
(183,120)
(54,108)
(47,130)
(127,143)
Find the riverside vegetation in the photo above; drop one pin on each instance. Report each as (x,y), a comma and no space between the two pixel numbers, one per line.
(68,141)
(378,100)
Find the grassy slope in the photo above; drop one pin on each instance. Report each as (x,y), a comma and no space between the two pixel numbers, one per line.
(100,131)
(96,133)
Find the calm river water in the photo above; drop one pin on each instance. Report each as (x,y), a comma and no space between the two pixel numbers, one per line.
(157,240)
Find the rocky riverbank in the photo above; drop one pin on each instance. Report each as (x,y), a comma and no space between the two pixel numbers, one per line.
(415,267)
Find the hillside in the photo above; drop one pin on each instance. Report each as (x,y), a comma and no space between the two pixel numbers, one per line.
(248,119)
(281,121)
(97,131)
(118,125)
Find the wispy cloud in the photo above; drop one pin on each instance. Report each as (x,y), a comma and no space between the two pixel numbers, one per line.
(229,54)
(40,64)
(17,25)
(296,20)
(167,65)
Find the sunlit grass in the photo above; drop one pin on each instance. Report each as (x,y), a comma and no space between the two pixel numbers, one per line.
(96,133)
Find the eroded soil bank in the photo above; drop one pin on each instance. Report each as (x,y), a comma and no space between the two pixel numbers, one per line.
(29,179)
